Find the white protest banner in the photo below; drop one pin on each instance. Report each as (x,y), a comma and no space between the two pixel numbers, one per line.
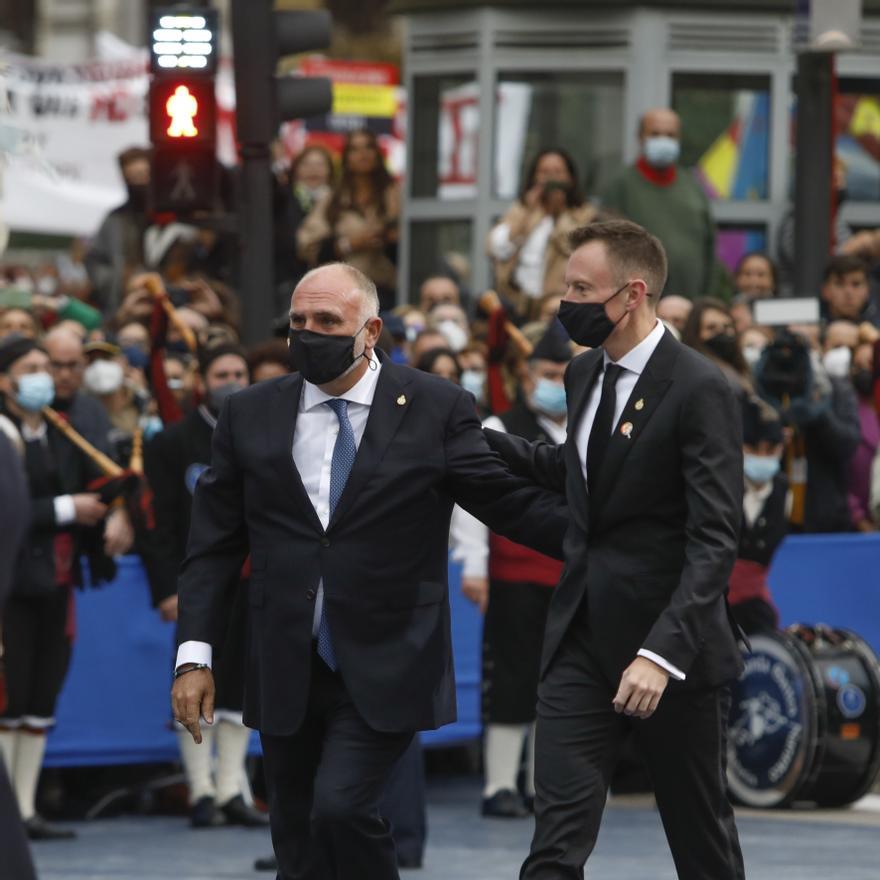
(61,129)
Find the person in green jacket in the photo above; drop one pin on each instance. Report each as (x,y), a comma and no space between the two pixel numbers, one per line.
(668,201)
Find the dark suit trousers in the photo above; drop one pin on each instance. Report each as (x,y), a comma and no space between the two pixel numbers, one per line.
(403,804)
(324,785)
(578,739)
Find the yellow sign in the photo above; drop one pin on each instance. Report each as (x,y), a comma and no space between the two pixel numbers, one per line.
(355,99)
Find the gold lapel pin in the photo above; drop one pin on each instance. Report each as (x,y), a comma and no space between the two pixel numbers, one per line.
(626,429)
(401,401)
(640,404)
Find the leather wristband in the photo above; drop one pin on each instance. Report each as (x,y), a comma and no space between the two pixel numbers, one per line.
(193,668)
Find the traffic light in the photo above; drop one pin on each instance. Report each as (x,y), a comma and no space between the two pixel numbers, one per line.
(261,37)
(183,109)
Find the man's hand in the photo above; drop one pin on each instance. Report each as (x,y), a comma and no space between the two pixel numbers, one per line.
(118,533)
(168,609)
(641,686)
(477,590)
(192,697)
(90,510)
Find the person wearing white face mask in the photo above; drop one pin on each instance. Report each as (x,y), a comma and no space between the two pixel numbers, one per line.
(104,379)
(668,201)
(838,342)
(452,322)
(514,586)
(35,620)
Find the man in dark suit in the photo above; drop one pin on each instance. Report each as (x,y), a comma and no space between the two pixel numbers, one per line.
(340,480)
(638,634)
(15,858)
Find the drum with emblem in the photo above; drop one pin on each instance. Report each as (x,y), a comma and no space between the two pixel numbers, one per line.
(805,719)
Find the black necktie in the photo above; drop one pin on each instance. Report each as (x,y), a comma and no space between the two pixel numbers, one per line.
(603,424)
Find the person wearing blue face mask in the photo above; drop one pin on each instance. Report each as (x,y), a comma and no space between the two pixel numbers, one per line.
(35,620)
(766,500)
(668,201)
(514,586)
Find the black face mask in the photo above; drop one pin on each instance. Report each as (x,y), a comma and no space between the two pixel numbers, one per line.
(137,195)
(320,357)
(587,323)
(724,346)
(863,382)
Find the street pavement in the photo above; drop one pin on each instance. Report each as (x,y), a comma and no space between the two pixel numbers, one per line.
(789,845)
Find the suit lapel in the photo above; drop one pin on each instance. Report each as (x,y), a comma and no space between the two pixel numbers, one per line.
(642,404)
(284,416)
(389,406)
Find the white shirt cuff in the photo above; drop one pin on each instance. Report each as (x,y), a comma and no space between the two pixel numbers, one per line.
(194,652)
(65,510)
(674,671)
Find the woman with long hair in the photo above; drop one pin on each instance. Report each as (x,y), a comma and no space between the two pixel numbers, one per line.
(529,247)
(357,221)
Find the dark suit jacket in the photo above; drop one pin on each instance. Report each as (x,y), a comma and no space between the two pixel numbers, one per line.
(652,550)
(173,460)
(383,558)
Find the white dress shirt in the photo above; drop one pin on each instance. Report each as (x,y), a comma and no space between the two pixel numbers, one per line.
(313,440)
(633,363)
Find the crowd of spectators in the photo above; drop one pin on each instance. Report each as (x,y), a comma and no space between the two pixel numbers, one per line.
(124,318)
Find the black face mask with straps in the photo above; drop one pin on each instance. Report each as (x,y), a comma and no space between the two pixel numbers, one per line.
(587,323)
(321,357)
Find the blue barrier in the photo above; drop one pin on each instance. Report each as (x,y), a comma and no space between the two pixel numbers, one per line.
(115,709)
(832,579)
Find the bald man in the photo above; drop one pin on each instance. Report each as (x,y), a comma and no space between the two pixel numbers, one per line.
(339,480)
(666,200)
(67,364)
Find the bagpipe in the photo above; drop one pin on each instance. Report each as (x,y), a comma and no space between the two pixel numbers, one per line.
(504,338)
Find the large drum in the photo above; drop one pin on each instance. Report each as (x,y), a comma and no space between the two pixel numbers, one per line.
(805,719)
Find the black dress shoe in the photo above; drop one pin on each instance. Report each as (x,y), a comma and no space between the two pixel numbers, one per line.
(204,814)
(237,812)
(38,828)
(505,804)
(269,863)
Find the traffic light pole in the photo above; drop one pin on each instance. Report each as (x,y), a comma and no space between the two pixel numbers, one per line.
(260,36)
(813,161)
(256,237)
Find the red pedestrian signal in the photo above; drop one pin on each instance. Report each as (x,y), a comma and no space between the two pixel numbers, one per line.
(183,111)
(182,108)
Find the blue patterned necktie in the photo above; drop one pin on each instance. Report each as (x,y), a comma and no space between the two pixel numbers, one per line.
(344,452)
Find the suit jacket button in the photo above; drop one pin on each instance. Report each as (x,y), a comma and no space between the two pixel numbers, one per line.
(325,542)
(310,595)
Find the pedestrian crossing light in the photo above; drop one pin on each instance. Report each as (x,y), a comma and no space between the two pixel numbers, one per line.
(182,108)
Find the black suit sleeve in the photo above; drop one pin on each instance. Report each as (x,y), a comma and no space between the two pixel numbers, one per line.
(218,543)
(712,470)
(541,462)
(482,485)
(165,540)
